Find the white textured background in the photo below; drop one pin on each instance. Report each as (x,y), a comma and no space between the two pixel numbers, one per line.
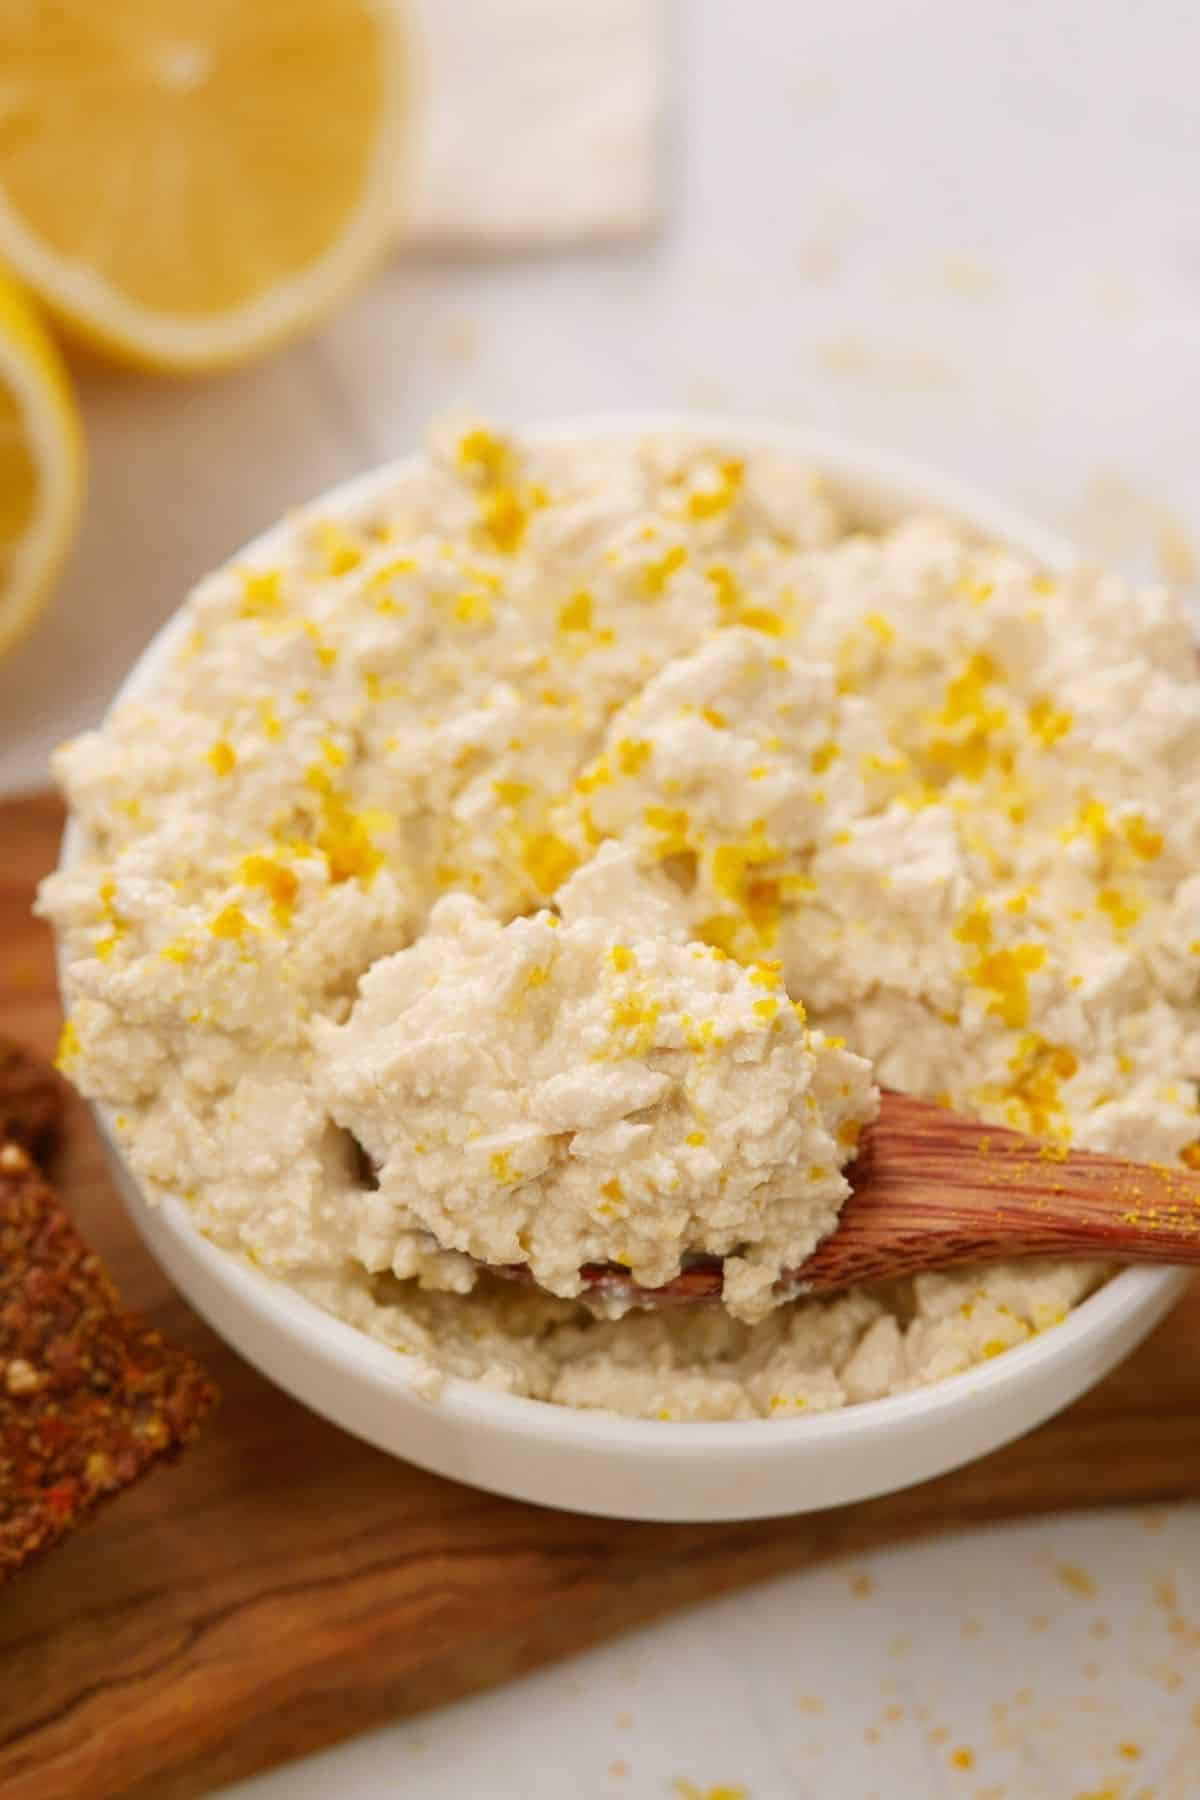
(969,229)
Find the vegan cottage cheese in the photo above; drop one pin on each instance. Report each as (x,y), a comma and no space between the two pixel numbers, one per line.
(439,824)
(563,1091)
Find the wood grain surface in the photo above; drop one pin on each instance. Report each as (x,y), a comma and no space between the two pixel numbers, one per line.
(286,1586)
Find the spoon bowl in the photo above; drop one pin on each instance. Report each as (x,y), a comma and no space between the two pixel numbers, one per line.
(932,1190)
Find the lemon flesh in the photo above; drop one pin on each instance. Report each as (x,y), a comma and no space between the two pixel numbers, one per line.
(41,465)
(185,182)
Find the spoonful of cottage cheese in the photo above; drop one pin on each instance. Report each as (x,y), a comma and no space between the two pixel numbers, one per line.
(564,1091)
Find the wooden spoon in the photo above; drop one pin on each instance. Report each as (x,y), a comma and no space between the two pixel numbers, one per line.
(931,1190)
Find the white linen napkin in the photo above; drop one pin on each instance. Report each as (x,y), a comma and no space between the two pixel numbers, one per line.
(537,122)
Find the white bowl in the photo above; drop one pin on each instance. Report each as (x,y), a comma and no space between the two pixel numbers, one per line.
(596,1462)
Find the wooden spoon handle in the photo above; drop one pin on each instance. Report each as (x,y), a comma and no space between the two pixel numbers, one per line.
(998,1197)
(932,1189)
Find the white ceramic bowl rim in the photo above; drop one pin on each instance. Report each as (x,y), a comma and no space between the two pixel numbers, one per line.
(894,483)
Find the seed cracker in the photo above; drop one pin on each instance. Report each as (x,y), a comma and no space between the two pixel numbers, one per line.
(91,1397)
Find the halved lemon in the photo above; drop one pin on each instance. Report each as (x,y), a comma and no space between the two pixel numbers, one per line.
(41,464)
(186,182)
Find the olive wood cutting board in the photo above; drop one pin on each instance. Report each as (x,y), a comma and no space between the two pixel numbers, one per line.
(285,1585)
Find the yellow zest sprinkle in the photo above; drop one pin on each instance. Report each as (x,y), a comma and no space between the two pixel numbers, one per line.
(818,1172)
(1141,839)
(260,593)
(338,551)
(621,957)
(1005,975)
(547,860)
(766,1008)
(612,1189)
(969,719)
(473,609)
(576,614)
(1033,1098)
(482,449)
(222,758)
(975,926)
(720,932)
(762,618)
(180,951)
(333,752)
(700,1037)
(270,720)
(1048,723)
(502,1168)
(823,756)
(345,838)
(763,903)
(279,882)
(230,922)
(672,826)
(598,776)
(68,1045)
(656,575)
(504,518)
(731,862)
(725,585)
(716,719)
(849,1132)
(325,653)
(389,606)
(633,1013)
(696,1139)
(632,755)
(666,819)
(1121,911)
(766,974)
(881,628)
(399,565)
(705,503)
(1091,821)
(511,793)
